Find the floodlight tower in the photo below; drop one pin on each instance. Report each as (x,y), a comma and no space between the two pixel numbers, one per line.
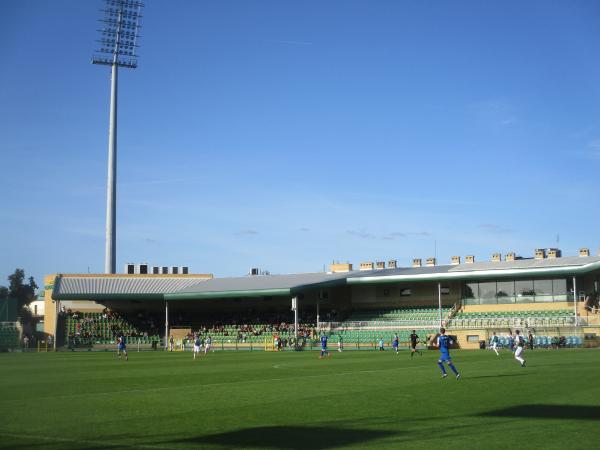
(119,34)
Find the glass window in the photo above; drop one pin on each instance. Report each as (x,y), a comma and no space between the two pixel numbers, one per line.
(524,291)
(487,292)
(505,291)
(470,301)
(471,290)
(543,290)
(560,290)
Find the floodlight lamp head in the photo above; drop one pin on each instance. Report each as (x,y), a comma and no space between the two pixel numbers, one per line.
(119,34)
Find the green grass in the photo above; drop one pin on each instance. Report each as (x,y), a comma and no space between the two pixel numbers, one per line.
(292,400)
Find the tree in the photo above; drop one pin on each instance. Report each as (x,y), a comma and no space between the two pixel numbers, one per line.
(23,293)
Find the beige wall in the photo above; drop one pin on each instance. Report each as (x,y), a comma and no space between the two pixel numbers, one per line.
(49,307)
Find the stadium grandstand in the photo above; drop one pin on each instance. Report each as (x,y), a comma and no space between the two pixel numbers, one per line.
(552,298)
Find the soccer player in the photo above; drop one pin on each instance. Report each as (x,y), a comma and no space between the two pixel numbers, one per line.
(197,346)
(171,343)
(520,347)
(395,343)
(340,343)
(324,351)
(443,342)
(207,344)
(122,347)
(414,338)
(381,348)
(494,343)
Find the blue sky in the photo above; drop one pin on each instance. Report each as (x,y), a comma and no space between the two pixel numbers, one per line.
(286,135)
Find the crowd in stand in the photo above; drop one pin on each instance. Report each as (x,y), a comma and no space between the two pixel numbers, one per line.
(108,325)
(242,327)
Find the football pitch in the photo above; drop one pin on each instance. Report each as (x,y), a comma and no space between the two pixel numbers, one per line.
(293,400)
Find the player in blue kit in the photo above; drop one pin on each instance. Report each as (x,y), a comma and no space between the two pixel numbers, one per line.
(395,343)
(443,343)
(324,351)
(121,347)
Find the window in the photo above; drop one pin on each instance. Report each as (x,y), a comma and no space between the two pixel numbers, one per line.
(560,290)
(543,290)
(471,293)
(487,292)
(505,291)
(524,291)
(471,290)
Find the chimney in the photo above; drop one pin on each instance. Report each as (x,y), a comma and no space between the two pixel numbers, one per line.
(431,262)
(554,253)
(366,266)
(340,267)
(392,264)
(583,252)
(380,265)
(455,260)
(129,268)
(497,257)
(511,256)
(416,262)
(469,259)
(540,253)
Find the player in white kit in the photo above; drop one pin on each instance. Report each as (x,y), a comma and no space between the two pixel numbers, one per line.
(494,343)
(207,344)
(197,346)
(520,347)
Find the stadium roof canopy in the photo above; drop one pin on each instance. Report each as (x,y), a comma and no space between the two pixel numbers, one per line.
(259,285)
(196,287)
(570,265)
(102,287)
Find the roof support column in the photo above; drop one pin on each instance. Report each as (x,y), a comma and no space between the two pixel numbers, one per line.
(166,325)
(575,299)
(440,302)
(295,309)
(319,301)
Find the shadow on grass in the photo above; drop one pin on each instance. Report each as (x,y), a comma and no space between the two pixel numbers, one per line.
(289,437)
(500,375)
(576,412)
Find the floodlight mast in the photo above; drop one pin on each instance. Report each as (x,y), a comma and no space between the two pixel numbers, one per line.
(118,44)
